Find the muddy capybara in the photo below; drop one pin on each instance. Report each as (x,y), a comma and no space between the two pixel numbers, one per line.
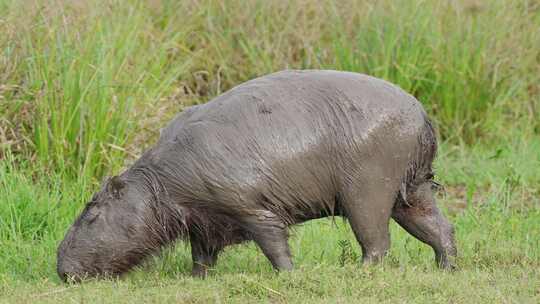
(272,152)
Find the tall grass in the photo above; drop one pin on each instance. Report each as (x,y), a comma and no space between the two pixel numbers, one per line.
(81,78)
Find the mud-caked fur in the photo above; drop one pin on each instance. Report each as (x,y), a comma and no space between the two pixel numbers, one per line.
(270,153)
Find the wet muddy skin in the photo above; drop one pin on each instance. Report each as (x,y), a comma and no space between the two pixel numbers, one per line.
(270,153)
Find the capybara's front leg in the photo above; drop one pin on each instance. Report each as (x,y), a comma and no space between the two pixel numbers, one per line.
(421,218)
(203,256)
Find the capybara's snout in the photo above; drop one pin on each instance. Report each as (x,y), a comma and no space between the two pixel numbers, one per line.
(69,270)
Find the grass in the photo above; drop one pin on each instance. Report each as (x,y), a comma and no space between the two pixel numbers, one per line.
(86,85)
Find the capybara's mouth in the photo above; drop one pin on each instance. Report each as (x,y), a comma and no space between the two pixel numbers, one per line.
(79,277)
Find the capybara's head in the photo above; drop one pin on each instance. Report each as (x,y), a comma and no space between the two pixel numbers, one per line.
(122,224)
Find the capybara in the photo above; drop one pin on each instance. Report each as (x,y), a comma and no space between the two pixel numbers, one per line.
(270,153)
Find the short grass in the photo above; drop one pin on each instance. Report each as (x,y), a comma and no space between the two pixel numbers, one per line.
(86,85)
(491,196)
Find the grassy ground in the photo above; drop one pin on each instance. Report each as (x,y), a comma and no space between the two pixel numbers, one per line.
(493,201)
(86,85)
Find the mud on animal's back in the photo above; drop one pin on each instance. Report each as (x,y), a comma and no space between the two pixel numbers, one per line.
(290,112)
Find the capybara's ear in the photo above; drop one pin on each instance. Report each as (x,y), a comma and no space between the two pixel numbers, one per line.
(116,185)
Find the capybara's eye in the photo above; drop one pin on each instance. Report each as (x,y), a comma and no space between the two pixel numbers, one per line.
(91,217)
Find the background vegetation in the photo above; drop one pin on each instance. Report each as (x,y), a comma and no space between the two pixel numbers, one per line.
(86,85)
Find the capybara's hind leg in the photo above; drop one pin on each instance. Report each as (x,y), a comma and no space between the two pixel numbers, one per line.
(368,211)
(271,235)
(421,218)
(203,256)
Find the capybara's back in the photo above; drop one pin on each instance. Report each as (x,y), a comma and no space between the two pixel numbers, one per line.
(293,146)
